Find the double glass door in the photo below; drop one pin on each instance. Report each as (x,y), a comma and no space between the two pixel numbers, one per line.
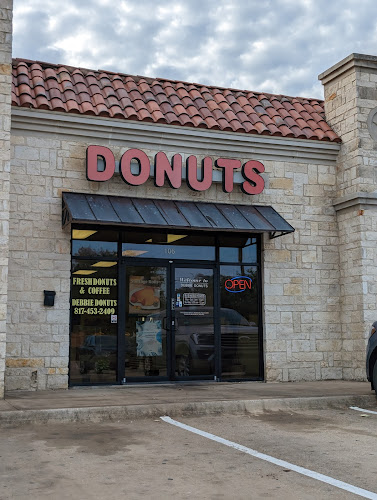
(169,322)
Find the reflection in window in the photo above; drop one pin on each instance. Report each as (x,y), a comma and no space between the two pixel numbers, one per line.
(92,243)
(238,249)
(168,246)
(145,347)
(239,322)
(93,347)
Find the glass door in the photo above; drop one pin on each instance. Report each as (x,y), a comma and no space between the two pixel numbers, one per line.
(193,322)
(147,322)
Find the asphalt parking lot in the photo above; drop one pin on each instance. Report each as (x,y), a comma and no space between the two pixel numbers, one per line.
(156,459)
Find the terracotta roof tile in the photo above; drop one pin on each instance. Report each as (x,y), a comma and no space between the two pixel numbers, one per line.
(130,113)
(98,99)
(224,125)
(253,117)
(285,131)
(145,115)
(185,120)
(205,113)
(148,96)
(153,106)
(249,127)
(218,114)
(158,116)
(15,100)
(179,109)
(116,112)
(26,100)
(43,102)
(242,117)
(211,123)
(101,93)
(70,95)
(172,118)
(58,104)
(84,97)
(212,104)
(72,106)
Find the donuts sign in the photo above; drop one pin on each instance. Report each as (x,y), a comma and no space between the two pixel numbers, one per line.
(171,172)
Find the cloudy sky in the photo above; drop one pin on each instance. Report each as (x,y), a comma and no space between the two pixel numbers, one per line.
(276,46)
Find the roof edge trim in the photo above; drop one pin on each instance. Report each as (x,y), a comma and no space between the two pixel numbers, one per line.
(156,135)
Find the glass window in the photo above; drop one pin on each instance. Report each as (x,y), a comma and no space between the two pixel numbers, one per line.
(92,243)
(194,326)
(239,321)
(146,327)
(169,246)
(236,248)
(93,348)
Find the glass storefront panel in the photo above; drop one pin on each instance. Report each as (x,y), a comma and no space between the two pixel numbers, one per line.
(94,243)
(93,348)
(169,324)
(168,246)
(194,325)
(146,343)
(239,321)
(236,248)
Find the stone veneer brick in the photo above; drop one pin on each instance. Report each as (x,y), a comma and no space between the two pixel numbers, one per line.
(5,119)
(350,94)
(301,291)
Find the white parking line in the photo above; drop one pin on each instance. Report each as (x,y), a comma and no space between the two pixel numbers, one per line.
(282,463)
(362,409)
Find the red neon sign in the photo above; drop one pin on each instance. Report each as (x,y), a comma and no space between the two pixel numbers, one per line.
(238,284)
(170,172)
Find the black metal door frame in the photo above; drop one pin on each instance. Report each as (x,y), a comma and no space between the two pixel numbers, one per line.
(196,265)
(170,267)
(123,294)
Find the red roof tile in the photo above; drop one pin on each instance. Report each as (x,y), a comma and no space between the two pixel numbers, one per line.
(100,93)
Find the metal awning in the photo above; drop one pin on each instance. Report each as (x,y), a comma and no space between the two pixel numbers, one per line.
(173,214)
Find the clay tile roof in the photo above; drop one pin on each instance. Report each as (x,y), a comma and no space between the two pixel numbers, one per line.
(67,89)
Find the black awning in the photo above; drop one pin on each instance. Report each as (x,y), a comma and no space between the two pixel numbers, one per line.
(139,212)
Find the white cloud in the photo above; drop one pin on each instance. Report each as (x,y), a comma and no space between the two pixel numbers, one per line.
(271,46)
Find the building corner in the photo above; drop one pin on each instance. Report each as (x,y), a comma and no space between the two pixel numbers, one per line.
(350,89)
(5,123)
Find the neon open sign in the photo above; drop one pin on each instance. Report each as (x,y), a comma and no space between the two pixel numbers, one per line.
(169,172)
(238,284)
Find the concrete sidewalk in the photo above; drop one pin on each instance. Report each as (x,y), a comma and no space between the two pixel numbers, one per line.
(201,398)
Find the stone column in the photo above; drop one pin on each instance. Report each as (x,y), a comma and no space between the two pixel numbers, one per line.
(351,110)
(5,116)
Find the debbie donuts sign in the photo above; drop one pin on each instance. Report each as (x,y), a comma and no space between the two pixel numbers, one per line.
(169,172)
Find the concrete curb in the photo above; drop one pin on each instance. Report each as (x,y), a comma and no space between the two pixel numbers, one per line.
(17,418)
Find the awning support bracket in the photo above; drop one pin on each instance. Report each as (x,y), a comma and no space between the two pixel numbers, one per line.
(277,234)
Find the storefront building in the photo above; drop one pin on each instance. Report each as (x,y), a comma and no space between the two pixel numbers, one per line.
(154,230)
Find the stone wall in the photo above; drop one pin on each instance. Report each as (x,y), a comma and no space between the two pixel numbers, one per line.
(5,121)
(301,277)
(350,89)
(301,281)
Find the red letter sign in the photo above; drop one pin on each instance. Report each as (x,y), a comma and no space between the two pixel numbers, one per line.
(250,172)
(192,174)
(162,168)
(125,167)
(229,166)
(92,173)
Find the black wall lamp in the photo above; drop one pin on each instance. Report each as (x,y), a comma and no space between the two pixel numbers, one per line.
(49,298)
